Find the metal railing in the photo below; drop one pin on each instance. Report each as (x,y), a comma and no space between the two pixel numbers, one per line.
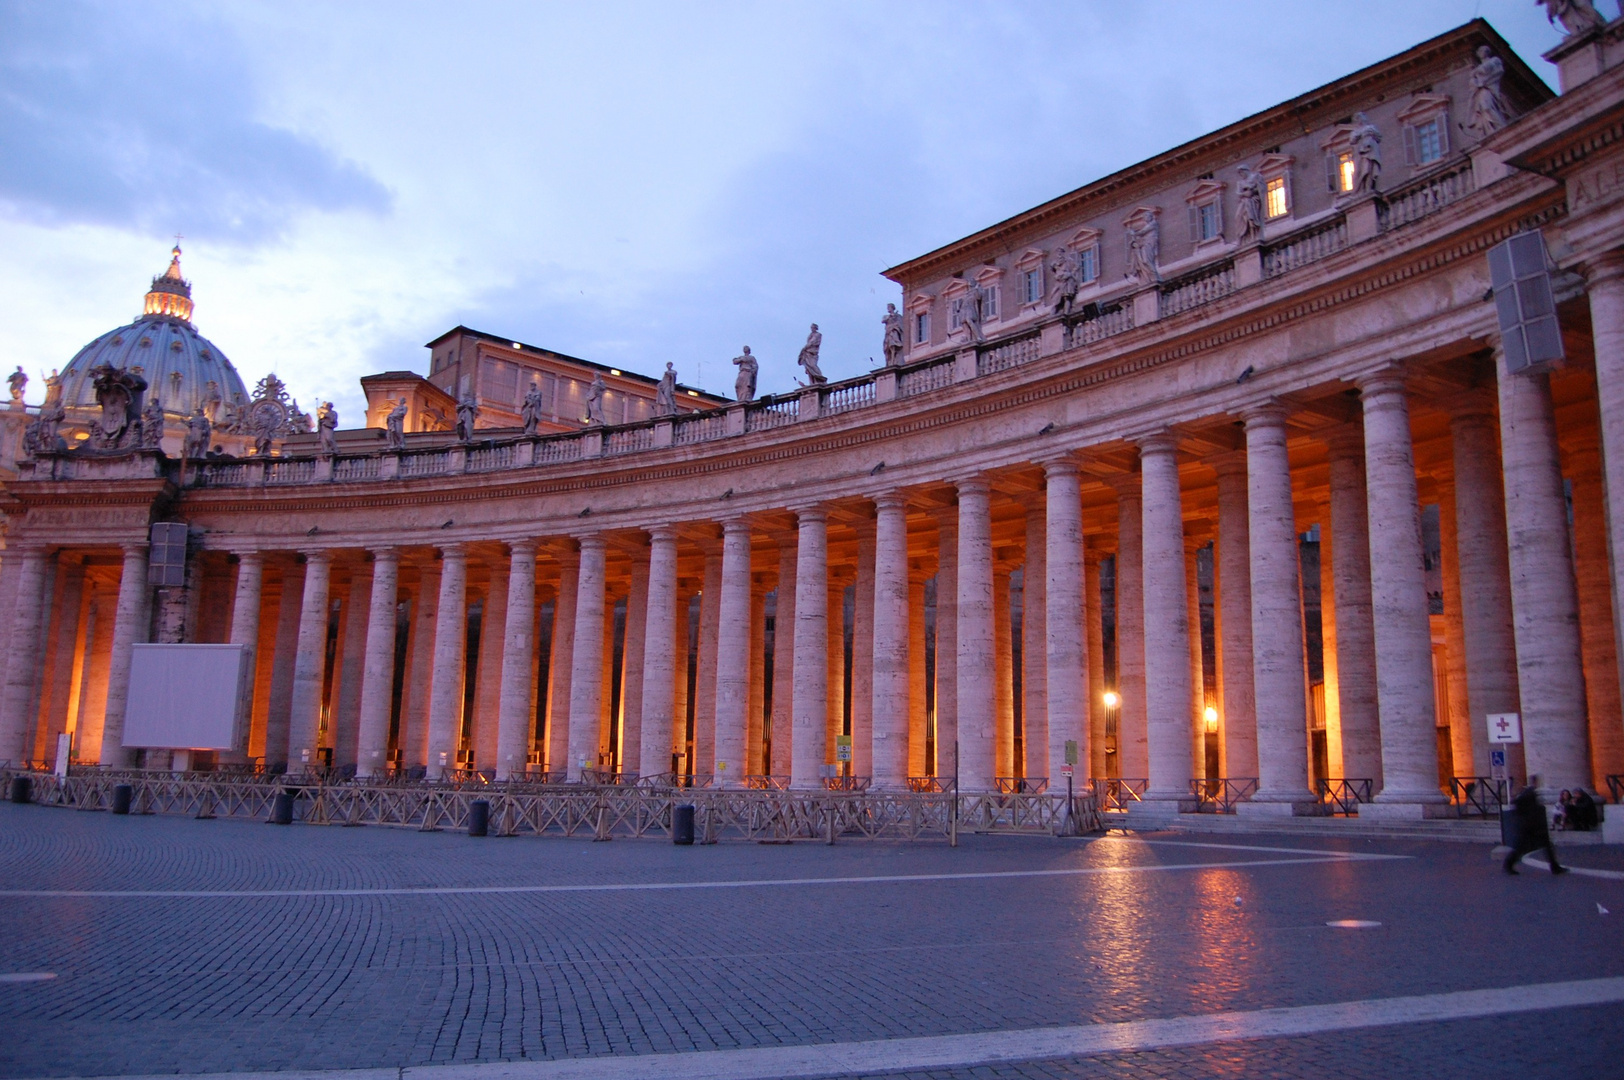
(1118,793)
(766,782)
(1007,354)
(930,783)
(1426,196)
(1202,287)
(1615,788)
(927,377)
(1027,785)
(1344,794)
(847,783)
(1303,248)
(1478,796)
(1221,794)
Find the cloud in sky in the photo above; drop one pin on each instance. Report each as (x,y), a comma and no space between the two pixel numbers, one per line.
(633,183)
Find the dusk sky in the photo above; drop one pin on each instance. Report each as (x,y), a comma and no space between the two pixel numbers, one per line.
(631,183)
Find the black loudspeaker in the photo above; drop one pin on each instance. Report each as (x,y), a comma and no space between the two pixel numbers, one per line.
(1521,272)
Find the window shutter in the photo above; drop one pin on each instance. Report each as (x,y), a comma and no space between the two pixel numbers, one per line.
(1218,215)
(1410,154)
(1195,225)
(1443,134)
(1330,172)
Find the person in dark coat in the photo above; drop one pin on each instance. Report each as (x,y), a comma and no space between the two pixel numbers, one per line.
(1529,830)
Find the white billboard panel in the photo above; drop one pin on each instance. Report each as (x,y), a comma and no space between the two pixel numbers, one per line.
(187,697)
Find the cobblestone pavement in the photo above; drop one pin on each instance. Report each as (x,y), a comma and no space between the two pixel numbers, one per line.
(337,958)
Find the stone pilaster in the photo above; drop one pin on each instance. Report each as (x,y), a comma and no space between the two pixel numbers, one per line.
(28,618)
(130,621)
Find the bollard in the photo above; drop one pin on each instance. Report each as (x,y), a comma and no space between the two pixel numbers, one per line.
(22,789)
(282,808)
(682,824)
(123,795)
(479,818)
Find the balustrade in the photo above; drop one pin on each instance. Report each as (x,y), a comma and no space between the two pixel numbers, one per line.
(1425,196)
(290,471)
(699,427)
(1202,287)
(486,458)
(765,415)
(1008,354)
(426,463)
(844,397)
(357,468)
(1305,247)
(1108,323)
(926,377)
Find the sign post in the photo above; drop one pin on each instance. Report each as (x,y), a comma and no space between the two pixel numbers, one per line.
(1069,827)
(1505,727)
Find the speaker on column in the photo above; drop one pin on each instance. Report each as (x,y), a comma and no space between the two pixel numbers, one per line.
(1521,272)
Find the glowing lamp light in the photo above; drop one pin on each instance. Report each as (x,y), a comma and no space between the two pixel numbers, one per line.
(1212,720)
(516,345)
(693,393)
(1112,699)
(614,371)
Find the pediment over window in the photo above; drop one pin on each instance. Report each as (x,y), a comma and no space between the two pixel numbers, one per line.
(1205,191)
(989,275)
(955,289)
(1340,138)
(1086,237)
(1141,217)
(1423,107)
(1275,164)
(921,302)
(1030,259)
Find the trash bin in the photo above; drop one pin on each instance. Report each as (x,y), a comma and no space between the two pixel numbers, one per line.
(1508,827)
(282,808)
(123,795)
(479,818)
(22,789)
(682,824)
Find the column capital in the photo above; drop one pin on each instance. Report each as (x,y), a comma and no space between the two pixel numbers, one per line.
(1345,440)
(320,556)
(1158,442)
(1388,381)
(977,484)
(1126,485)
(1059,466)
(591,542)
(1477,405)
(890,500)
(733,526)
(457,550)
(1607,266)
(521,547)
(131,548)
(662,533)
(254,557)
(382,554)
(1266,413)
(809,512)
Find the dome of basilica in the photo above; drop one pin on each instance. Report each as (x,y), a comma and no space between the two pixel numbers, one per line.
(182,368)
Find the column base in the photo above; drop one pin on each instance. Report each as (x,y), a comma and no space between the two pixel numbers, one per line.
(1405,811)
(1612,826)
(1282,808)
(1157,813)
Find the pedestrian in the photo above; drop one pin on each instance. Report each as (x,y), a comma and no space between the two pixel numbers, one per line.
(1563,818)
(1529,832)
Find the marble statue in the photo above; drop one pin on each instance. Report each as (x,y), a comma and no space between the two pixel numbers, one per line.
(530,409)
(40,435)
(1066,272)
(1487,111)
(1144,250)
(18,381)
(744,387)
(327,427)
(1249,204)
(967,309)
(211,400)
(809,357)
(395,426)
(152,424)
(1366,141)
(594,400)
(895,341)
(197,433)
(1575,16)
(53,388)
(467,413)
(665,395)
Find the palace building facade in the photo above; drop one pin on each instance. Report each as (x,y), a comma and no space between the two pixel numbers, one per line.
(1221,467)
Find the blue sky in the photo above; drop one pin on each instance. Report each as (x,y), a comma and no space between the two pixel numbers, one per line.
(628,182)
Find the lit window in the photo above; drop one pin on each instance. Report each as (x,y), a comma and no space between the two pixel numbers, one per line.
(1347,172)
(1089,264)
(921,327)
(1275,200)
(1428,143)
(1033,280)
(989,303)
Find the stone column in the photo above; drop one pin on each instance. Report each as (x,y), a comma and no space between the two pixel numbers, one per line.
(1232,561)
(28,618)
(862,657)
(1460,710)
(631,680)
(1545,604)
(835,717)
(414,712)
(705,682)
(1605,279)
(517,709)
(1034,659)
(1003,638)
(1069,682)
(976,693)
(310,662)
(1398,591)
(659,654)
(755,720)
(1167,623)
(245,611)
(1328,646)
(1133,754)
(130,626)
(561,663)
(485,734)
(450,648)
(345,726)
(733,655)
(890,656)
(1355,617)
(1595,609)
(679,715)
(378,665)
(783,741)
(1093,763)
(587,661)
(1198,675)
(809,708)
(1481,549)
(1277,618)
(947,637)
(918,764)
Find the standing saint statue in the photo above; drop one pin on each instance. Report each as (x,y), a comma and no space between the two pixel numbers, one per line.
(1249,204)
(395,426)
(18,381)
(1487,111)
(744,387)
(1366,140)
(467,413)
(665,395)
(594,400)
(809,357)
(894,342)
(1068,278)
(53,388)
(968,310)
(1576,16)
(327,427)
(152,424)
(1144,250)
(530,410)
(197,433)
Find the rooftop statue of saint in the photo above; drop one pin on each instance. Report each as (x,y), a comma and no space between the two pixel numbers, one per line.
(530,410)
(1144,250)
(1249,204)
(968,310)
(894,342)
(1366,140)
(1575,16)
(665,395)
(1068,278)
(395,426)
(467,413)
(594,400)
(1487,111)
(327,427)
(197,433)
(152,424)
(809,357)
(18,381)
(744,387)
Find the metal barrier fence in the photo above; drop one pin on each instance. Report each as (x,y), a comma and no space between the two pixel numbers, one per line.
(1118,793)
(1478,796)
(1345,794)
(599,811)
(1220,794)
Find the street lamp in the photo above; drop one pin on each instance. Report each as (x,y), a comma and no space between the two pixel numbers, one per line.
(1111,699)
(1212,720)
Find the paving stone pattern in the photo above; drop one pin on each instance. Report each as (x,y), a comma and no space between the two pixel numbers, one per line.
(204,984)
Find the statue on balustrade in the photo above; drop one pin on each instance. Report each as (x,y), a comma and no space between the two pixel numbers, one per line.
(211,400)
(530,409)
(197,433)
(395,426)
(809,357)
(298,420)
(467,413)
(967,313)
(1065,267)
(895,342)
(665,395)
(152,425)
(744,387)
(118,393)
(40,435)
(1249,204)
(327,427)
(18,381)
(1144,247)
(1575,16)
(594,400)
(1487,111)
(53,388)
(1366,140)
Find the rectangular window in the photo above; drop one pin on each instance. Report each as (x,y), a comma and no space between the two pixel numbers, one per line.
(1276,203)
(1089,264)
(1428,143)
(1209,221)
(989,303)
(1346,171)
(1033,280)
(921,327)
